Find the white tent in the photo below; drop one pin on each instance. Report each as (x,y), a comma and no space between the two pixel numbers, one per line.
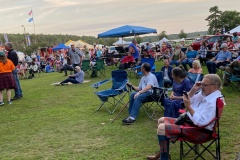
(163,40)
(237,29)
(120,42)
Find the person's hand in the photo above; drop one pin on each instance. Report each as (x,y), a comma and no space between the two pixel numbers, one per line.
(197,86)
(128,83)
(186,102)
(172,97)
(136,95)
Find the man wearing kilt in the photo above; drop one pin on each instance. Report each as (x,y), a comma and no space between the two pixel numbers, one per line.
(201,109)
(7,80)
(12,55)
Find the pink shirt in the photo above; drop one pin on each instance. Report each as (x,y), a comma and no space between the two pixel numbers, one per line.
(192,70)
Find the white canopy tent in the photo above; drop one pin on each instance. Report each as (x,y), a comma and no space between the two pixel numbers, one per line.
(237,29)
(120,42)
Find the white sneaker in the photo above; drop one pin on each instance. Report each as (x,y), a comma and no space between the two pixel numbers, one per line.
(1,103)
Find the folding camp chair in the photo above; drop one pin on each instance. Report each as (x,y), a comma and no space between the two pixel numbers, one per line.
(116,93)
(85,67)
(99,67)
(200,147)
(234,80)
(137,69)
(194,77)
(157,98)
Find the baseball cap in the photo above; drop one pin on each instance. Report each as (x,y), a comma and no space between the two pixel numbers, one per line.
(2,53)
(224,45)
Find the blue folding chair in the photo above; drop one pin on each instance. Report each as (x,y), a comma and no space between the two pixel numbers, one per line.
(116,93)
(158,96)
(137,69)
(194,77)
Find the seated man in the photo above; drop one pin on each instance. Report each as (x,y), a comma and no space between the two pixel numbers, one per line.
(201,109)
(191,55)
(127,61)
(221,59)
(76,78)
(144,89)
(167,74)
(230,70)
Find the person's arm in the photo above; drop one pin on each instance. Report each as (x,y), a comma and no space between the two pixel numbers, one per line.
(134,87)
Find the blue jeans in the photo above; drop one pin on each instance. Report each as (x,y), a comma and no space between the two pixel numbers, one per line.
(70,79)
(135,104)
(187,61)
(176,62)
(18,90)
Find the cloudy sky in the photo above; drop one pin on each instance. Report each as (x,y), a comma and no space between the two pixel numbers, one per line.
(91,17)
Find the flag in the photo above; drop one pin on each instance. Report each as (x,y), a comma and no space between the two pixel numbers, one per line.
(30,13)
(5,37)
(30,20)
(29,40)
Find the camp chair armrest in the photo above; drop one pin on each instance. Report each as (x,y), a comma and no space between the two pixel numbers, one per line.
(161,88)
(98,84)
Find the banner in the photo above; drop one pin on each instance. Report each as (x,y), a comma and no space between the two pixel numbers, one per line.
(29,40)
(5,37)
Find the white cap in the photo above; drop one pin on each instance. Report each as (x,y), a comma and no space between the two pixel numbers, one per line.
(224,45)
(182,40)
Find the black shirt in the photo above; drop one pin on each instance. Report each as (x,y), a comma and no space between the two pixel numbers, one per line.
(12,55)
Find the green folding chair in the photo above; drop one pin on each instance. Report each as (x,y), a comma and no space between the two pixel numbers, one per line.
(99,68)
(85,67)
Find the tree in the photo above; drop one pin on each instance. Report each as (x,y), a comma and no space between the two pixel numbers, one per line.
(214,20)
(182,34)
(230,19)
(162,35)
(139,39)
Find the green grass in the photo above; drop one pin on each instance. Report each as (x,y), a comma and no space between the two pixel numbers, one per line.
(61,122)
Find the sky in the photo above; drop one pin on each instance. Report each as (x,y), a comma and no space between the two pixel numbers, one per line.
(91,17)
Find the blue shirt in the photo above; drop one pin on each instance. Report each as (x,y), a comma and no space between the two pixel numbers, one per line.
(191,54)
(79,77)
(223,56)
(47,68)
(235,39)
(136,52)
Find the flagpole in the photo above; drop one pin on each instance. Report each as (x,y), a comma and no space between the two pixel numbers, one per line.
(33,22)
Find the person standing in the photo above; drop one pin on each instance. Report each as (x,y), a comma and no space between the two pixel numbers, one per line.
(12,55)
(134,50)
(7,80)
(76,56)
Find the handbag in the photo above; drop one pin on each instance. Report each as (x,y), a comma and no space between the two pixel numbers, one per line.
(182,119)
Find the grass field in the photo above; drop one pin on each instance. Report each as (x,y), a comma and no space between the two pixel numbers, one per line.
(61,122)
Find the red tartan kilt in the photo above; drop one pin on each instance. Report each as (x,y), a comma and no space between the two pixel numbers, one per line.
(7,81)
(192,135)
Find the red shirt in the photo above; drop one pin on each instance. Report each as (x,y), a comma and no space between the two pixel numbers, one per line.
(127,59)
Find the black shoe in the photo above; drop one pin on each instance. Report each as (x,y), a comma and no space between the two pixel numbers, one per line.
(128,121)
(16,98)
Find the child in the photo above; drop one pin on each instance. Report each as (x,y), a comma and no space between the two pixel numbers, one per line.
(48,68)
(23,69)
(33,68)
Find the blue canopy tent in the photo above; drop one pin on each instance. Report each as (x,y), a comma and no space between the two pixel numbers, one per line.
(60,46)
(126,31)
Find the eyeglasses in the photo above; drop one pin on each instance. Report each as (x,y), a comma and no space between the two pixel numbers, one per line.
(205,85)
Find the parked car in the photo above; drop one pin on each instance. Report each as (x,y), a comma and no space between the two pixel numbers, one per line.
(211,40)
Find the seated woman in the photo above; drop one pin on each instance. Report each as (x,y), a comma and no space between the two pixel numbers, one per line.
(158,54)
(196,67)
(33,68)
(127,61)
(177,56)
(93,60)
(75,78)
(201,110)
(180,83)
(191,55)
